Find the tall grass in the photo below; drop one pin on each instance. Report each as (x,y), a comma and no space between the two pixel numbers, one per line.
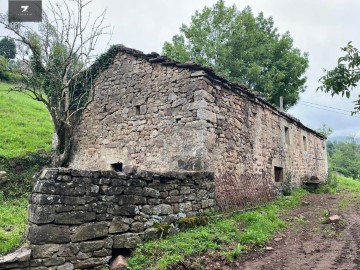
(12,224)
(25,124)
(241,231)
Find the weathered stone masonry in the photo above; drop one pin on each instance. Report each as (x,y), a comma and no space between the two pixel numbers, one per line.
(79,218)
(160,115)
(153,114)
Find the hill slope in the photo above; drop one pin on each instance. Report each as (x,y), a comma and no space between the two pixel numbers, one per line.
(25,124)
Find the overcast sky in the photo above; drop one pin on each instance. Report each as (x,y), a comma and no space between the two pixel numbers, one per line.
(319,27)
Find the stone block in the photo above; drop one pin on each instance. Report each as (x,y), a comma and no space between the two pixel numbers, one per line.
(44,251)
(127,240)
(127,210)
(41,214)
(53,261)
(46,234)
(203,114)
(185,190)
(49,173)
(118,227)
(91,263)
(204,203)
(185,207)
(137,227)
(150,192)
(19,257)
(102,253)
(74,217)
(162,209)
(42,199)
(44,186)
(131,200)
(203,95)
(173,193)
(154,201)
(119,263)
(68,250)
(143,109)
(151,234)
(133,191)
(91,246)
(66,266)
(90,231)
(83,256)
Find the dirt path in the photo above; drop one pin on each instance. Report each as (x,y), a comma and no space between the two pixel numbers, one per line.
(308,244)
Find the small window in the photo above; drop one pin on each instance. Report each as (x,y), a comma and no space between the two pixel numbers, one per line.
(137,110)
(305,143)
(287,136)
(117,167)
(278,174)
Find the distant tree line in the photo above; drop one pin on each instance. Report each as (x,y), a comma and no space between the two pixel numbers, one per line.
(344,157)
(7,60)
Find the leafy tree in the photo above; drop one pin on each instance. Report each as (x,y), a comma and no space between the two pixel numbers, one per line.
(55,63)
(243,48)
(345,76)
(325,130)
(346,158)
(4,73)
(8,48)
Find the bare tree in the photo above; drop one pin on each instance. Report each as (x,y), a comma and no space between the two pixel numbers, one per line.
(55,64)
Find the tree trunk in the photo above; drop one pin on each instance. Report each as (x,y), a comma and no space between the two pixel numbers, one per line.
(63,148)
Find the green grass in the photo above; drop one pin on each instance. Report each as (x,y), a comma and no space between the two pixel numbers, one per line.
(240,231)
(25,124)
(348,184)
(12,224)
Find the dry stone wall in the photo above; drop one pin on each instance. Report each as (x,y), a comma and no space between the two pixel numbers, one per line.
(78,219)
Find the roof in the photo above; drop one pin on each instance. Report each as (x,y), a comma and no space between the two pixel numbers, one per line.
(210,74)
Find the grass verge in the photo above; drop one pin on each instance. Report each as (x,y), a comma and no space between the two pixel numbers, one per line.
(241,231)
(25,124)
(13,217)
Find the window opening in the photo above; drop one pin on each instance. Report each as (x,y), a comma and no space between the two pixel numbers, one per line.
(287,136)
(117,167)
(278,174)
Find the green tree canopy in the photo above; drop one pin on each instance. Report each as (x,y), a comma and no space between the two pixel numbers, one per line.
(345,158)
(7,48)
(345,76)
(244,49)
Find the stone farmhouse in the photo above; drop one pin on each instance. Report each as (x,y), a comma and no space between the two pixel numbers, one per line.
(161,141)
(156,114)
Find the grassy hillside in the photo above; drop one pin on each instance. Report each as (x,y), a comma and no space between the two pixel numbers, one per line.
(24,123)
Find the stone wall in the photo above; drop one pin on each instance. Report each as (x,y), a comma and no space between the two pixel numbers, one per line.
(251,139)
(77,219)
(160,115)
(143,115)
